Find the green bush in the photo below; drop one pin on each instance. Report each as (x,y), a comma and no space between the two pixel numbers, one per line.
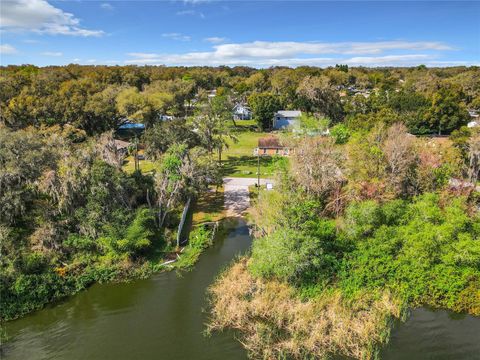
(135,239)
(340,133)
(300,257)
(426,252)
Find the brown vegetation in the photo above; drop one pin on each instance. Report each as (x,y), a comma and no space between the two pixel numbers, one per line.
(274,323)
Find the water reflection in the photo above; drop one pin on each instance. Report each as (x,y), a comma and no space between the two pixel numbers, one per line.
(158,318)
(162,318)
(429,334)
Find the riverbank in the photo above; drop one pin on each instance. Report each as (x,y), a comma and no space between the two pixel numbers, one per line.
(317,286)
(209,214)
(71,278)
(274,322)
(158,317)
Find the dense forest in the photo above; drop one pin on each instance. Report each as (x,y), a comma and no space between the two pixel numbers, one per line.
(367,213)
(354,235)
(96,99)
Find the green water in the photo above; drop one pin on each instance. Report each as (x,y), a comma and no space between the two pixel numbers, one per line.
(435,335)
(163,318)
(158,318)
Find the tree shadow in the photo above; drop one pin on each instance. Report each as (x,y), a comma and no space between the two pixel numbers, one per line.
(231,164)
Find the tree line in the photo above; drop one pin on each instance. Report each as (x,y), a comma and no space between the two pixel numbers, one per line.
(99,98)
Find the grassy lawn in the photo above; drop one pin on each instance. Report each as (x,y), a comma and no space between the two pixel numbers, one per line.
(146,166)
(209,207)
(238,160)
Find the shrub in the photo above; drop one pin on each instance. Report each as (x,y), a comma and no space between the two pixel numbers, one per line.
(340,133)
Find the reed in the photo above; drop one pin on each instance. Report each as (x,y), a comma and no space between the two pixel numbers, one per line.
(275,323)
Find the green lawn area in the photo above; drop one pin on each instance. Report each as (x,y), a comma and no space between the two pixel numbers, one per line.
(146,166)
(238,160)
(209,206)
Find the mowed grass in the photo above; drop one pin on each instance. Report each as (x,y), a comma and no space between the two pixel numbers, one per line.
(146,166)
(238,160)
(209,206)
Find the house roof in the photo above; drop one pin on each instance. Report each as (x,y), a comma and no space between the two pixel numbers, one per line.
(130,125)
(270,142)
(241,107)
(288,113)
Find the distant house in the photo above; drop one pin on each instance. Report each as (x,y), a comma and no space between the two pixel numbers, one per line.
(270,146)
(242,112)
(166,117)
(475,119)
(473,114)
(212,93)
(459,184)
(131,126)
(286,118)
(129,130)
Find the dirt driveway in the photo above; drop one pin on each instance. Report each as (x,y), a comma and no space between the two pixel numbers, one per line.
(237,199)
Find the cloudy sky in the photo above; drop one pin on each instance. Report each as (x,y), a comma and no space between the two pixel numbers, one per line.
(260,33)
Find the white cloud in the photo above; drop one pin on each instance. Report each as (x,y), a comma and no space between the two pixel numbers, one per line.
(186,12)
(286,49)
(191,12)
(143,55)
(51,53)
(215,39)
(388,59)
(177,36)
(6,49)
(107,6)
(31,41)
(264,54)
(41,17)
(194,2)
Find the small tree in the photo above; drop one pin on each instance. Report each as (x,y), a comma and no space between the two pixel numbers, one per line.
(340,133)
(264,106)
(211,125)
(447,112)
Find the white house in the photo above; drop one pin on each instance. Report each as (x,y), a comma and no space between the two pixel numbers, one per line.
(286,118)
(473,114)
(242,112)
(166,117)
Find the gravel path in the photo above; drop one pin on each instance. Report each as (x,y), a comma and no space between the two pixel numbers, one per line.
(237,199)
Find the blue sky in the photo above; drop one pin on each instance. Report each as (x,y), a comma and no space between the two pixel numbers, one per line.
(260,33)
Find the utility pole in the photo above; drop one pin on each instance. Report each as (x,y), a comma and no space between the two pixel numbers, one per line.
(258,168)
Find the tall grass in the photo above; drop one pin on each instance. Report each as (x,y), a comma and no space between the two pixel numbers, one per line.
(275,323)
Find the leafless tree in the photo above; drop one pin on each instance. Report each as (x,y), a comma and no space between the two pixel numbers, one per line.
(474,154)
(399,151)
(317,165)
(107,149)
